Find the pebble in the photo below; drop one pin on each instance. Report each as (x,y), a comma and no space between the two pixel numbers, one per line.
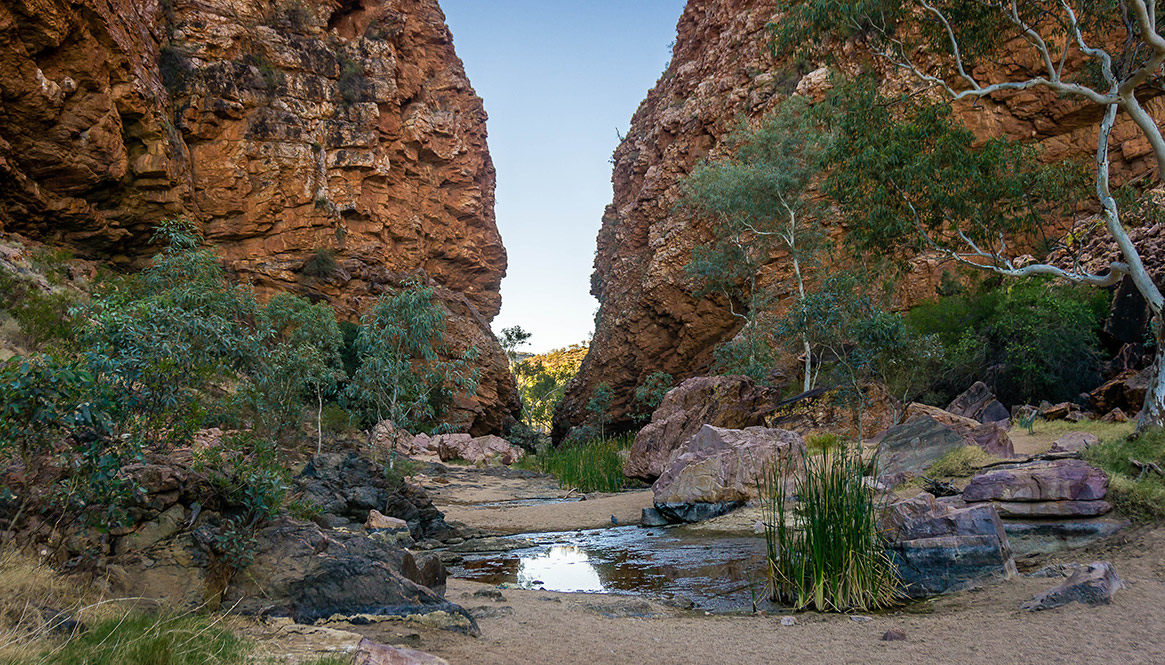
(788,621)
(861,619)
(893,636)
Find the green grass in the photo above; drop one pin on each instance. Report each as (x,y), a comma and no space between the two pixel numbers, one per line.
(1142,500)
(593,466)
(822,442)
(1101,430)
(960,463)
(144,639)
(824,549)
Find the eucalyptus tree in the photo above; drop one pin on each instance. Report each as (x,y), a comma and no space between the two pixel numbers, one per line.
(1107,56)
(756,197)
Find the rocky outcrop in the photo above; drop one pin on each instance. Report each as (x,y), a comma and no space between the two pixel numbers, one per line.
(928,435)
(723,468)
(733,402)
(479,450)
(326,147)
(1093,584)
(723,71)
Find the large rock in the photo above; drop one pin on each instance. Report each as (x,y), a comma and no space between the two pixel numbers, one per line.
(1056,480)
(1093,584)
(652,316)
(372,653)
(732,402)
(929,434)
(1074,442)
(480,450)
(978,403)
(301,571)
(722,467)
(326,148)
(1125,392)
(939,547)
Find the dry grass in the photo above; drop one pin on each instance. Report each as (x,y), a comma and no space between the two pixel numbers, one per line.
(960,463)
(30,593)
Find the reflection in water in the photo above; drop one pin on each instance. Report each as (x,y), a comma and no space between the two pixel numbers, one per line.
(561,568)
(716,573)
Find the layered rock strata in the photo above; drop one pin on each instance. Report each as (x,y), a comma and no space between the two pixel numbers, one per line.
(326,147)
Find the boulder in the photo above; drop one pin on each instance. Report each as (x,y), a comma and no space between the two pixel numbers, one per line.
(723,401)
(1125,392)
(929,434)
(722,466)
(979,404)
(1025,509)
(1048,535)
(652,517)
(1057,411)
(1074,442)
(990,436)
(939,547)
(387,437)
(1056,480)
(478,450)
(1094,584)
(1115,416)
(301,571)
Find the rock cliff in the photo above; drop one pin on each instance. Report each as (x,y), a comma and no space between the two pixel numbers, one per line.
(723,71)
(327,147)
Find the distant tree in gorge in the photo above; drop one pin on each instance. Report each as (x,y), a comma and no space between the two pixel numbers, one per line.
(911,178)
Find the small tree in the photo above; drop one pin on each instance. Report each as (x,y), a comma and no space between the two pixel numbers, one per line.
(511,339)
(599,408)
(756,197)
(1103,56)
(406,373)
(651,392)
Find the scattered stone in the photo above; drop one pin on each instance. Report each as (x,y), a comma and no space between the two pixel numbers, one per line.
(480,450)
(1055,480)
(1056,411)
(1115,416)
(894,635)
(1055,570)
(788,621)
(1091,585)
(491,544)
(978,403)
(492,594)
(378,521)
(387,437)
(490,611)
(1125,392)
(1074,442)
(860,619)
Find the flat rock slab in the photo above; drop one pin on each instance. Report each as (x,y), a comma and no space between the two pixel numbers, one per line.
(1091,585)
(1074,442)
(1056,480)
(1052,508)
(681,513)
(1046,536)
(371,653)
(932,566)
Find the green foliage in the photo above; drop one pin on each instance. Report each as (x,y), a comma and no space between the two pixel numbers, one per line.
(512,338)
(337,420)
(599,408)
(1139,496)
(247,476)
(902,172)
(402,375)
(353,83)
(824,549)
(296,357)
(46,320)
(270,75)
(145,639)
(42,398)
(1039,339)
(590,466)
(824,441)
(322,264)
(651,392)
(542,382)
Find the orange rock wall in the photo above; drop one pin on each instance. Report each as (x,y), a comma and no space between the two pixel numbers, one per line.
(722,72)
(286,128)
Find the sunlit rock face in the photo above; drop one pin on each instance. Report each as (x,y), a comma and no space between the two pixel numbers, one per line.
(722,72)
(286,128)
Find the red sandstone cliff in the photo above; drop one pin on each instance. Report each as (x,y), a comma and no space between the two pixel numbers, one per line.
(288,128)
(723,71)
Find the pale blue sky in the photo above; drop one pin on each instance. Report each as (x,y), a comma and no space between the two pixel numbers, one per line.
(558,78)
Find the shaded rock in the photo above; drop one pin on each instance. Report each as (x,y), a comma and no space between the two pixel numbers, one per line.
(387,437)
(1074,442)
(722,401)
(978,403)
(1046,536)
(939,548)
(491,544)
(371,653)
(1091,585)
(166,525)
(652,517)
(376,521)
(915,445)
(894,635)
(431,571)
(1130,358)
(1057,411)
(822,412)
(723,466)
(1052,508)
(1056,480)
(995,412)
(1115,416)
(689,513)
(308,574)
(991,436)
(1129,315)
(1125,392)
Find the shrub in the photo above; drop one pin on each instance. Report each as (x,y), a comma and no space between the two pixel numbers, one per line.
(352,82)
(175,68)
(825,551)
(46,320)
(403,375)
(322,264)
(599,408)
(651,392)
(823,441)
(1139,495)
(247,476)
